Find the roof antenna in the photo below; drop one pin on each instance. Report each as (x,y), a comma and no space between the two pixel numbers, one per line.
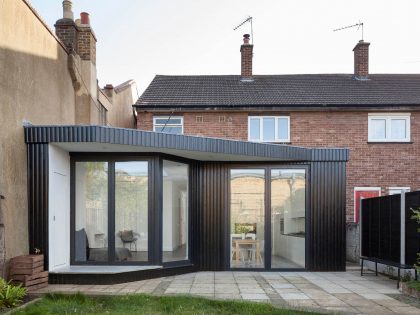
(358,25)
(248,19)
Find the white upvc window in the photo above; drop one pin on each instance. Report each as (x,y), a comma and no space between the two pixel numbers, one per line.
(169,124)
(269,128)
(397,190)
(389,127)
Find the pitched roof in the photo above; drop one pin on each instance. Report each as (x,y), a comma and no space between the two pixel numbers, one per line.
(281,90)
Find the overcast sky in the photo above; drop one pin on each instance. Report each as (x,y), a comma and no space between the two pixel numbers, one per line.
(138,39)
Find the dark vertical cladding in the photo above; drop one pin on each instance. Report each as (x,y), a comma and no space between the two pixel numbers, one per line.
(38,198)
(327,235)
(210,210)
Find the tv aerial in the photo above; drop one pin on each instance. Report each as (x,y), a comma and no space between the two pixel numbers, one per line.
(358,25)
(247,20)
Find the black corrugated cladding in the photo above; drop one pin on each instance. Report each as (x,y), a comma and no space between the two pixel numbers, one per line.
(327,235)
(37,165)
(211,195)
(210,189)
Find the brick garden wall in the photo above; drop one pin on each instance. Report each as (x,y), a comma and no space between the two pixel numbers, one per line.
(371,164)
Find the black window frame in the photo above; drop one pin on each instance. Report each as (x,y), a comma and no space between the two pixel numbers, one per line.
(267,167)
(155,194)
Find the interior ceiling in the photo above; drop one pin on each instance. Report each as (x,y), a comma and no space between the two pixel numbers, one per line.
(195,155)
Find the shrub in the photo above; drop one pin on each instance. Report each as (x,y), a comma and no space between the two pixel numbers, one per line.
(416,216)
(10,295)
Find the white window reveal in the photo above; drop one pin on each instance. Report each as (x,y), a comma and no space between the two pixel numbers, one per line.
(169,124)
(389,127)
(397,190)
(269,128)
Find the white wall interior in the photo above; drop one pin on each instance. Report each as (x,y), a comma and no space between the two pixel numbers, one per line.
(59,208)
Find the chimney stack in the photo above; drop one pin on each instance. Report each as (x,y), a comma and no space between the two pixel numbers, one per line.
(361,60)
(66,29)
(67,12)
(246,58)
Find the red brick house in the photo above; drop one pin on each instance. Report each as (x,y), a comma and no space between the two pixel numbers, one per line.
(376,116)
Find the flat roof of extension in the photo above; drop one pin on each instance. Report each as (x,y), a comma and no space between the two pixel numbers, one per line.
(80,138)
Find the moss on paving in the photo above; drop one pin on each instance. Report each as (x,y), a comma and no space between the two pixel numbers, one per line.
(146,304)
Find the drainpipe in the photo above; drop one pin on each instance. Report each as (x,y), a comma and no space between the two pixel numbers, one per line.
(402,240)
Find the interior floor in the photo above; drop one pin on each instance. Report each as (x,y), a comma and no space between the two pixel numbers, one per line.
(276,262)
(178,254)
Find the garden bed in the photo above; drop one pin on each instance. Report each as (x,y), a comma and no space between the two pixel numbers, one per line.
(411,288)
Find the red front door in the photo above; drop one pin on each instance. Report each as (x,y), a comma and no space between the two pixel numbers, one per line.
(363,194)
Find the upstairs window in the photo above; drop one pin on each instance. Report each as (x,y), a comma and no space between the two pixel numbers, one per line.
(169,124)
(389,128)
(269,128)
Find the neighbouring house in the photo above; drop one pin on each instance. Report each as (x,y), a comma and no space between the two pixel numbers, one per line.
(45,80)
(376,116)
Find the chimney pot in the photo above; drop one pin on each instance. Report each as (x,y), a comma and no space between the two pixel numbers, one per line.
(67,11)
(246,39)
(109,87)
(84,18)
(361,60)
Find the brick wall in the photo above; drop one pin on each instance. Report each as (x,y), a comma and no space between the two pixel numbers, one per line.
(66,31)
(371,164)
(86,43)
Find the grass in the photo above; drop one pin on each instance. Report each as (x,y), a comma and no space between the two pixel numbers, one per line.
(414,285)
(146,304)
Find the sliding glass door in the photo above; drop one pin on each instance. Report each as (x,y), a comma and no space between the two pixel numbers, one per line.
(288,218)
(267,202)
(247,214)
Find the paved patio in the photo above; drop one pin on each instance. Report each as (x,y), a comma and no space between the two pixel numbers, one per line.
(338,292)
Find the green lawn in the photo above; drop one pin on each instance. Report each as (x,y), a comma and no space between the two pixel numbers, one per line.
(146,304)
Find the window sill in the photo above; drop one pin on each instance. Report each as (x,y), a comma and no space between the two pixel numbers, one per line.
(270,142)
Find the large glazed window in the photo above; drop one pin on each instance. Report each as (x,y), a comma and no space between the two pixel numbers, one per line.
(91,221)
(288,218)
(389,127)
(247,208)
(131,211)
(175,211)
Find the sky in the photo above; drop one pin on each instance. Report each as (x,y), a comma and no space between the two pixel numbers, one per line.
(138,39)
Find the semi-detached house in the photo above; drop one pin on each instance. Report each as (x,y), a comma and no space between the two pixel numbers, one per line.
(376,116)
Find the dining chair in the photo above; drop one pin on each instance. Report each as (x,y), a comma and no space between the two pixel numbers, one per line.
(242,251)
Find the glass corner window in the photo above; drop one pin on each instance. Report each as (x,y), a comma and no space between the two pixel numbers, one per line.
(168,124)
(269,128)
(389,128)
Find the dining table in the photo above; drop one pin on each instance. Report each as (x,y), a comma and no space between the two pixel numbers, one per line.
(238,242)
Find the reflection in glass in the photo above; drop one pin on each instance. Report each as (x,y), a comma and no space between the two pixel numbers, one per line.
(91,221)
(175,211)
(254,129)
(283,128)
(131,211)
(287,218)
(377,129)
(269,129)
(398,129)
(247,218)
